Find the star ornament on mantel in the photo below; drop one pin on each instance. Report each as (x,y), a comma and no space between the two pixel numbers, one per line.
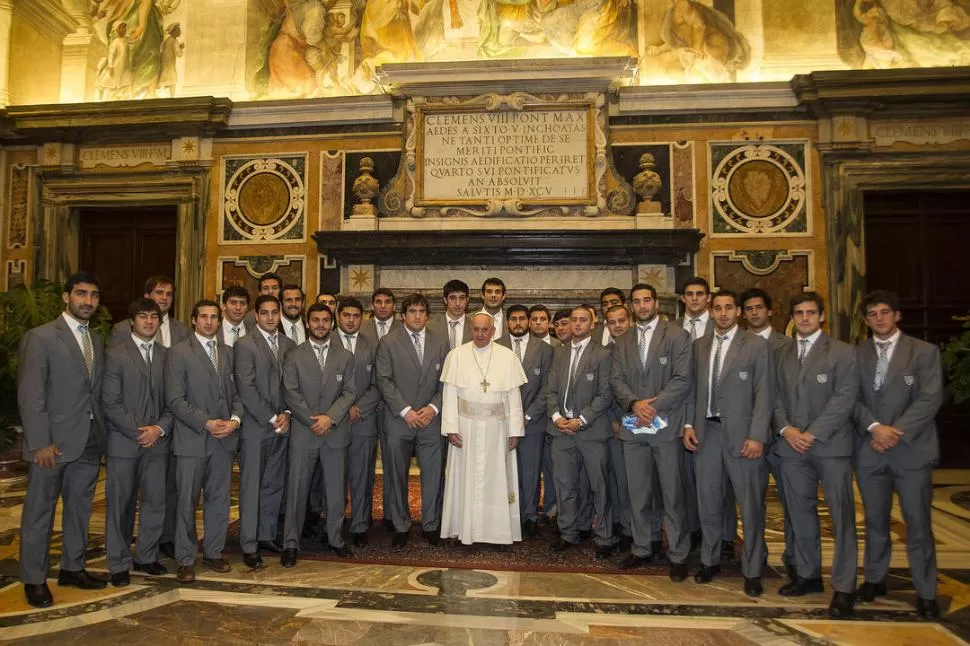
(188,146)
(957,591)
(360,278)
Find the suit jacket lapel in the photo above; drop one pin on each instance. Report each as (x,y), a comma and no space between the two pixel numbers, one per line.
(733,350)
(704,348)
(655,341)
(138,357)
(901,356)
(867,366)
(817,349)
(68,339)
(202,356)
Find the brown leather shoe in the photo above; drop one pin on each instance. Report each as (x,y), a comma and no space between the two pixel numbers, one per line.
(185,574)
(220,565)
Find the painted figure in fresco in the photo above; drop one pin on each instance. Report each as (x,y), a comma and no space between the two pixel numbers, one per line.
(502,22)
(590,27)
(386,35)
(876,38)
(294,56)
(114,71)
(172,50)
(336,32)
(144,22)
(701,42)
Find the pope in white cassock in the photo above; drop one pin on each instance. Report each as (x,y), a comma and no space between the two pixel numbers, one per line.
(481,414)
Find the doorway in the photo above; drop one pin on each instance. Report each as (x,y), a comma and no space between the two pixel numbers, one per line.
(915,241)
(125,245)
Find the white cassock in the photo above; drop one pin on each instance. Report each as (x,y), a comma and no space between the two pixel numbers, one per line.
(481,477)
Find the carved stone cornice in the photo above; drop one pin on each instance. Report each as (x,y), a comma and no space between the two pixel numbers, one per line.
(144,120)
(699,99)
(47,16)
(932,92)
(296,113)
(576,247)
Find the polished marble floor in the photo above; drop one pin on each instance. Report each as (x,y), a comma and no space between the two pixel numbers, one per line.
(329,601)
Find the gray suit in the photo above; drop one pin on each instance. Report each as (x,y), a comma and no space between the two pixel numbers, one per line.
(363,442)
(690,475)
(778,343)
(121,332)
(908,400)
(741,412)
(536,363)
(248,325)
(404,383)
(196,393)
(59,404)
(587,394)
(818,397)
(369,329)
(311,391)
(666,376)
(442,325)
(131,398)
(262,452)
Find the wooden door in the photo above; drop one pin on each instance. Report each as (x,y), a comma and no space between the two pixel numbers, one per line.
(917,245)
(123,247)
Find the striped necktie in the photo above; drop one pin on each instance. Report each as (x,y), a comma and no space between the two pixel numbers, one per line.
(87,349)
(213,353)
(882,365)
(716,376)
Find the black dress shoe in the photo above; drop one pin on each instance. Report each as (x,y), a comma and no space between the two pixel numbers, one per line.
(727,551)
(359,539)
(288,559)
(842,605)
(388,525)
(253,560)
(624,544)
(869,591)
(706,573)
(270,546)
(585,535)
(155,568)
(798,587)
(927,609)
(562,545)
(167,549)
(791,571)
(632,561)
(80,579)
(678,572)
(603,551)
(38,595)
(342,551)
(695,540)
(657,550)
(185,574)
(120,579)
(530,529)
(400,539)
(220,564)
(752,586)
(433,537)
(310,525)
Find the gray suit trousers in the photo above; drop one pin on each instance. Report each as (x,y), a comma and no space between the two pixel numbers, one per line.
(262,479)
(74,482)
(529,459)
(746,479)
(549,498)
(333,466)
(570,457)
(213,476)
(619,487)
(666,460)
(360,478)
(171,502)
(127,478)
(773,461)
(429,447)
(915,490)
(802,475)
(690,490)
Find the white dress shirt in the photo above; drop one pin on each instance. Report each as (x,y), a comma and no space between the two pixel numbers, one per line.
(765,333)
(165,331)
(607,337)
(499,322)
(459,326)
(575,356)
(700,327)
(227,331)
(725,344)
(287,328)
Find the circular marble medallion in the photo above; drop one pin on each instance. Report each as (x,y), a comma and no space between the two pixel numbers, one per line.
(264,199)
(759,189)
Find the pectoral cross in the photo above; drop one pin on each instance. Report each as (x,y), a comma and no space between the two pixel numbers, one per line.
(485,385)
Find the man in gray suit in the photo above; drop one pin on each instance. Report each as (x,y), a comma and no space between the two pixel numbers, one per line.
(756,308)
(650,379)
(293,304)
(202,396)
(319,383)
(60,369)
(235,307)
(900,392)
(536,359)
(493,299)
(409,362)
(160,289)
(363,419)
(817,388)
(728,424)
(540,320)
(269,284)
(578,400)
(139,429)
(263,439)
(453,324)
(617,321)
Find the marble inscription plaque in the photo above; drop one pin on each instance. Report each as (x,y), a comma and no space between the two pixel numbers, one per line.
(886,134)
(536,156)
(124,156)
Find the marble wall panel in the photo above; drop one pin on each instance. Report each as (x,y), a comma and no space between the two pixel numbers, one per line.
(781,273)
(264,199)
(246,270)
(18,203)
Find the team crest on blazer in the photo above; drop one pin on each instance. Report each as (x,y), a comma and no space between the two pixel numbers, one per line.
(537,371)
(340,377)
(822,378)
(743,375)
(663,361)
(437,366)
(590,376)
(909,380)
(368,367)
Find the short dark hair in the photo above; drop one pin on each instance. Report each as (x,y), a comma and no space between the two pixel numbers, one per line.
(414,299)
(453,286)
(81,277)
(140,305)
(319,307)
(154,281)
(206,302)
(614,292)
(614,308)
(806,297)
(879,297)
(726,293)
(640,287)
(492,280)
(696,280)
(756,292)
(326,293)
(234,291)
(540,308)
(561,314)
(292,287)
(382,291)
(265,298)
(516,308)
(270,276)
(349,302)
